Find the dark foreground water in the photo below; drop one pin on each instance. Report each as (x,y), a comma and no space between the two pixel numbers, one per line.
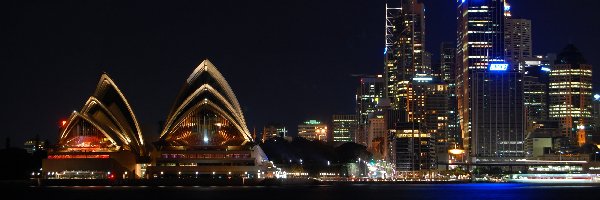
(329,192)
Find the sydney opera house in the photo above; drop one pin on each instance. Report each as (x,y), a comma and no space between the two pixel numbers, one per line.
(103,140)
(205,135)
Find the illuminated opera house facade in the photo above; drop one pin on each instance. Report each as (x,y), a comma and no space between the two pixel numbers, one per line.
(205,135)
(103,140)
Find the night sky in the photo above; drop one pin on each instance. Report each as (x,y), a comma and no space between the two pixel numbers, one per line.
(287,61)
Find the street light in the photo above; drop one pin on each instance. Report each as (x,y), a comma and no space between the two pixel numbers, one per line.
(560,155)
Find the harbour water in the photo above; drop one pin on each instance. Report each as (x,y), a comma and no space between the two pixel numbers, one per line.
(471,191)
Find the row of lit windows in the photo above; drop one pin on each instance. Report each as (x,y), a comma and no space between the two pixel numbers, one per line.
(102,156)
(570,92)
(207,155)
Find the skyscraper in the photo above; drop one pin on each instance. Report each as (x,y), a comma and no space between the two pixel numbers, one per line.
(571,95)
(368,95)
(448,76)
(423,136)
(344,127)
(517,40)
(405,48)
(448,62)
(490,90)
(535,87)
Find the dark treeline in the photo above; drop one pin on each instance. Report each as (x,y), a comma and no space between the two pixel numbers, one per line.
(18,164)
(313,156)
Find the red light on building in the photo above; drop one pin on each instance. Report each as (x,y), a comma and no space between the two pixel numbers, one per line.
(63,122)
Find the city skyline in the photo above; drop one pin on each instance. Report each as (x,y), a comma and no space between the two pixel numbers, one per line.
(152,59)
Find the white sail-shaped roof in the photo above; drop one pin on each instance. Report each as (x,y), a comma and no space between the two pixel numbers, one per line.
(106,115)
(205,89)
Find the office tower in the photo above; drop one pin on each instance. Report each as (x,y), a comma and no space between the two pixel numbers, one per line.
(405,48)
(344,127)
(413,150)
(448,68)
(517,40)
(447,62)
(313,130)
(424,134)
(368,95)
(489,90)
(535,89)
(272,130)
(571,95)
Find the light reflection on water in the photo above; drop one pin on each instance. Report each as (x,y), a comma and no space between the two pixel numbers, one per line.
(510,191)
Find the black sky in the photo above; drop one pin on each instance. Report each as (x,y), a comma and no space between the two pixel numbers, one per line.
(287,61)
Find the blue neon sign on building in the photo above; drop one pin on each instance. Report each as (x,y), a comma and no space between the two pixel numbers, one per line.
(498,66)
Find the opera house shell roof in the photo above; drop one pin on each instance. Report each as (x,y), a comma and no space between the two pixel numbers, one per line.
(106,123)
(206,113)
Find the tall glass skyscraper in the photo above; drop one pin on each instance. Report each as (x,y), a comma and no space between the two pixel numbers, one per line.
(405,48)
(489,90)
(448,76)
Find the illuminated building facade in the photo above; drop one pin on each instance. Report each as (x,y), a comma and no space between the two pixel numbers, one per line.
(571,95)
(489,90)
(377,137)
(419,139)
(413,150)
(535,88)
(103,140)
(273,130)
(34,145)
(517,33)
(205,132)
(313,130)
(448,76)
(405,48)
(368,96)
(344,127)
(448,62)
